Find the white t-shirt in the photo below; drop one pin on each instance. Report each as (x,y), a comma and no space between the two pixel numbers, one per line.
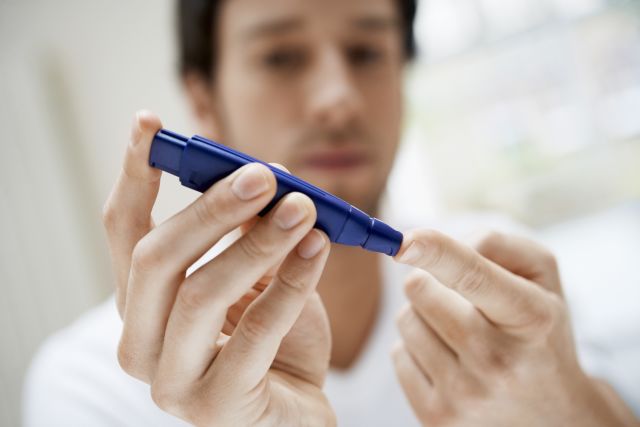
(75,379)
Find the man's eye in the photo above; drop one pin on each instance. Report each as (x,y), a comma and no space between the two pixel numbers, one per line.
(364,55)
(284,59)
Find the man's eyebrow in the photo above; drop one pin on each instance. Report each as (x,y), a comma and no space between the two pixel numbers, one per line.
(284,25)
(376,23)
(273,27)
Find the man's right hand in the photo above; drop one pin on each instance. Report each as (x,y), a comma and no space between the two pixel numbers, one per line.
(227,345)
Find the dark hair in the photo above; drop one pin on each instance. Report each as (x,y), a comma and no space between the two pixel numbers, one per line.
(196,44)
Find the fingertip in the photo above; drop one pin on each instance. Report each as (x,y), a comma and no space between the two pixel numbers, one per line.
(266,172)
(279,166)
(312,244)
(302,201)
(407,238)
(311,207)
(402,315)
(397,349)
(323,235)
(148,120)
(251,181)
(410,251)
(145,123)
(271,177)
(325,238)
(414,283)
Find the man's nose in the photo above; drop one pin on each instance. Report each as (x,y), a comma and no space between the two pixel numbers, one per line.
(334,99)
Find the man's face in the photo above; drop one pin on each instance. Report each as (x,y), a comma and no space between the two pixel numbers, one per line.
(314,85)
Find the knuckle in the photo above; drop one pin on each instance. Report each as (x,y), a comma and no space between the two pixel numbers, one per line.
(437,412)
(437,244)
(146,255)
(291,281)
(544,319)
(211,209)
(404,316)
(131,362)
(396,351)
(125,359)
(414,283)
(191,298)
(549,260)
(109,215)
(254,247)
(164,397)
(466,388)
(488,241)
(472,279)
(494,362)
(458,332)
(253,327)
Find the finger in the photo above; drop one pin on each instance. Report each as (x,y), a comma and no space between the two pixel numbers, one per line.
(521,256)
(235,312)
(432,355)
(244,228)
(160,259)
(200,308)
(255,342)
(127,212)
(476,343)
(249,225)
(503,297)
(452,317)
(420,393)
(305,351)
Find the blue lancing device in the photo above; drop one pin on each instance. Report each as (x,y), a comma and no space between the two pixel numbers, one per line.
(199,163)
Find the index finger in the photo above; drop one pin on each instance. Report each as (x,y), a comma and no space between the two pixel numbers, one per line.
(503,297)
(127,212)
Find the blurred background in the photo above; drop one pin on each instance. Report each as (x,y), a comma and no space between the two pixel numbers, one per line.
(529,108)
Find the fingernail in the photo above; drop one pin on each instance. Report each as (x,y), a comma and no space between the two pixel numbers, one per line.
(251,183)
(290,213)
(311,245)
(412,254)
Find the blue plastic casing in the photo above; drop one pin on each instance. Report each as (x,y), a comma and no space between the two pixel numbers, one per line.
(200,162)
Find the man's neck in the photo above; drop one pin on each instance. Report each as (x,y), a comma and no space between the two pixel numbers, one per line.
(350,288)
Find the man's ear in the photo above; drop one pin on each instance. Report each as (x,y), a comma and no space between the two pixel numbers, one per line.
(201,97)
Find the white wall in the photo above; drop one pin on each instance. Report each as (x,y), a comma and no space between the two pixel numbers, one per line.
(72,75)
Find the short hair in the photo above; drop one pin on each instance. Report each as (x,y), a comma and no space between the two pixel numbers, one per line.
(196,36)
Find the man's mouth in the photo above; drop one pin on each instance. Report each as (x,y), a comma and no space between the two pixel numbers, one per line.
(336,160)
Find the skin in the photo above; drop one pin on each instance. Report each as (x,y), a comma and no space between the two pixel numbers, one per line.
(246,339)
(251,349)
(486,338)
(329,74)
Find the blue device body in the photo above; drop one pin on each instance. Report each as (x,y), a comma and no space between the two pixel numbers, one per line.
(200,162)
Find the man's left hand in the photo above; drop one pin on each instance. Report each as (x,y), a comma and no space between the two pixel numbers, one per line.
(487,341)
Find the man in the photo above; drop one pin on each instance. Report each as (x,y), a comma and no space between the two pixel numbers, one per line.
(245,339)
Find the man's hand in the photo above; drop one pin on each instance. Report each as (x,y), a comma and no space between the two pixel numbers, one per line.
(244,340)
(486,338)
